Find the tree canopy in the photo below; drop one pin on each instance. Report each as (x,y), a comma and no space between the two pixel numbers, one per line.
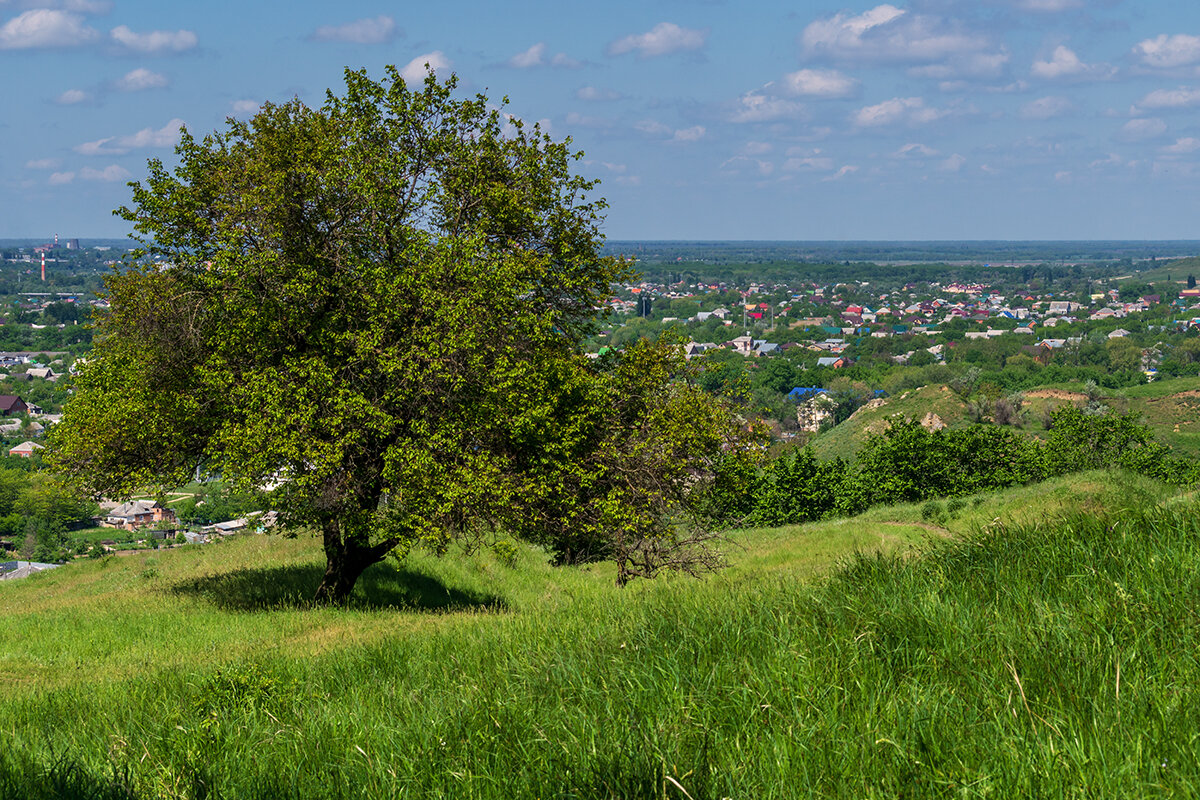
(377,307)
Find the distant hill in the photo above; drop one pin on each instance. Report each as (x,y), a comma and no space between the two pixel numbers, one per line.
(1170,407)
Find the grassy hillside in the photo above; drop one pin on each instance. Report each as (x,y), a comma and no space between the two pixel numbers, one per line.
(844,440)
(1031,658)
(1170,407)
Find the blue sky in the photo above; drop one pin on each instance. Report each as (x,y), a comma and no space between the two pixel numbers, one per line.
(928,119)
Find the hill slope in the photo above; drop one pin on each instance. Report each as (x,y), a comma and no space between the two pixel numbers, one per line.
(983,666)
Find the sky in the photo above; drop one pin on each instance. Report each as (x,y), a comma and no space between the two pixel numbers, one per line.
(703,119)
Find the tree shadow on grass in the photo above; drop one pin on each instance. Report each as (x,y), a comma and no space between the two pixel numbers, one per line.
(292,587)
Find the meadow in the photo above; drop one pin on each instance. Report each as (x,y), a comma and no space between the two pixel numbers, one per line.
(1036,642)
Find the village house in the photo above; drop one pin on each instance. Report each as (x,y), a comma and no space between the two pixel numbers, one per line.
(25,449)
(139,514)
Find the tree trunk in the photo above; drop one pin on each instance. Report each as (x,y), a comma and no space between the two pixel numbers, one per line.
(346,558)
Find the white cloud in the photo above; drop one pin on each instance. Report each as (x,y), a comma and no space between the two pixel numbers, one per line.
(565,61)
(888,33)
(761,107)
(43,163)
(246,106)
(663,39)
(529,58)
(593,93)
(535,56)
(60,178)
(1183,97)
(952,164)
(1046,107)
(848,169)
(109,174)
(154,41)
(898,110)
(1049,5)
(45,27)
(1166,52)
(1139,129)
(819,83)
(652,127)
(1182,146)
(141,79)
(1064,63)
(372,30)
(71,96)
(914,149)
(692,134)
(965,65)
(814,162)
(757,148)
(416,70)
(166,136)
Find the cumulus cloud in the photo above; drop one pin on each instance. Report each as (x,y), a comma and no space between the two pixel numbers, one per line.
(1168,52)
(887,33)
(1064,63)
(915,149)
(652,127)
(1183,97)
(109,174)
(807,161)
(154,41)
(1188,144)
(593,93)
(761,107)
(819,83)
(692,134)
(416,70)
(953,163)
(965,65)
(1138,129)
(71,96)
(45,28)
(529,58)
(663,39)
(166,136)
(371,30)
(60,178)
(43,163)
(655,128)
(1046,107)
(245,106)
(535,56)
(757,148)
(141,79)
(848,169)
(897,111)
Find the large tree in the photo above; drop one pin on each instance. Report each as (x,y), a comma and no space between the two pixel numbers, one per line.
(378,307)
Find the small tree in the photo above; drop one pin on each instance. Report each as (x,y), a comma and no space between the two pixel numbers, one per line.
(378,307)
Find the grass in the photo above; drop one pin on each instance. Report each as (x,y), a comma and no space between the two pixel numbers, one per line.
(1020,648)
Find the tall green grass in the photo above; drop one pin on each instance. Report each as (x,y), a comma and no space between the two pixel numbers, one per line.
(1028,658)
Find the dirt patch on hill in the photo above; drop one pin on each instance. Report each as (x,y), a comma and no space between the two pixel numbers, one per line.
(1058,394)
(1190,394)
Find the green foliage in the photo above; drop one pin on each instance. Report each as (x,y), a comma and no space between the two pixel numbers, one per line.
(797,487)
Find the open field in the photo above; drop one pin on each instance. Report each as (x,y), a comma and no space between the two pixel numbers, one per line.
(1014,647)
